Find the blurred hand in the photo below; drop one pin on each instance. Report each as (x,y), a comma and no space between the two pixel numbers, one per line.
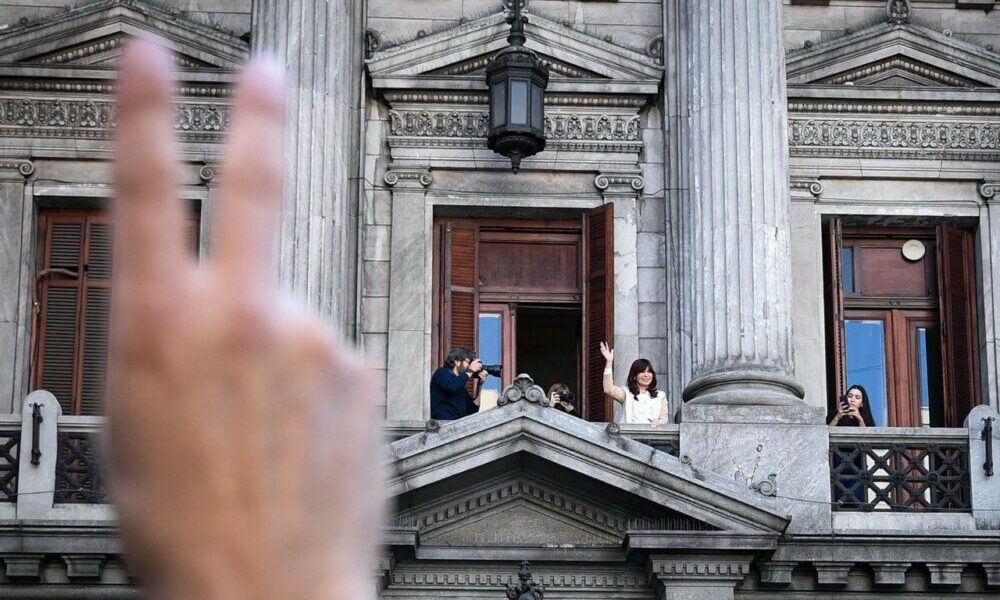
(476,366)
(242,437)
(483,375)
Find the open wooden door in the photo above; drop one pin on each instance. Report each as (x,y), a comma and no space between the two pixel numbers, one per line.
(834,290)
(959,351)
(598,307)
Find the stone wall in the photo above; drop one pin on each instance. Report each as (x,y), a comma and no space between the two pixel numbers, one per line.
(226,15)
(813,24)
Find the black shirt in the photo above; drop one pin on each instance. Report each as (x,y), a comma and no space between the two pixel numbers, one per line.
(449,400)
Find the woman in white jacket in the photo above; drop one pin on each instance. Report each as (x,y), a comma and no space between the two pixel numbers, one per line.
(642,402)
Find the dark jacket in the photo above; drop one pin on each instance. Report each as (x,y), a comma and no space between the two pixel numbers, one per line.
(449,399)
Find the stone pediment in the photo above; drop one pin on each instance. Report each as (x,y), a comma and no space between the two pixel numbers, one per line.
(524,475)
(456,59)
(895,55)
(94,35)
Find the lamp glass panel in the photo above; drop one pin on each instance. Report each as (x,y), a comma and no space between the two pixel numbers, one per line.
(537,109)
(498,104)
(518,102)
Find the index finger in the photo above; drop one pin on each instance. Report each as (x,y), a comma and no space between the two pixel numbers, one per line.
(149,239)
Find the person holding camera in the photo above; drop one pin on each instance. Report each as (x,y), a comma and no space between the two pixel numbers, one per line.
(560,398)
(852,409)
(642,402)
(451,396)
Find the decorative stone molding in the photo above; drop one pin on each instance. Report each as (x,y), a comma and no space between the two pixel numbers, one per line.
(992,574)
(893,139)
(523,388)
(655,48)
(551,99)
(946,574)
(373,41)
(475,124)
(891,573)
(83,565)
(813,185)
(842,105)
(707,568)
(220,90)
(832,573)
(616,579)
(22,566)
(614,182)
(902,64)
(208,172)
(988,189)
(898,11)
(776,571)
(411,176)
(23,166)
(97,118)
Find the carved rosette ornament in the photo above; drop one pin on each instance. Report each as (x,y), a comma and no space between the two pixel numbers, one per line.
(526,589)
(523,388)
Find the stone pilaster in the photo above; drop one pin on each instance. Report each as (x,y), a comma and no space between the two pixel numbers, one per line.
(693,577)
(409,335)
(623,190)
(736,265)
(16,269)
(320,42)
(989,252)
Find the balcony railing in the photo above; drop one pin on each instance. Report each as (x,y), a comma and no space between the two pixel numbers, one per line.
(10,442)
(900,469)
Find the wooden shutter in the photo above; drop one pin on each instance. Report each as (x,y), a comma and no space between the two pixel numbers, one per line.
(959,352)
(834,291)
(461,283)
(74,307)
(598,307)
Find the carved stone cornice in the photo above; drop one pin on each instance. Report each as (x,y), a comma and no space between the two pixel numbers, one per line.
(97,119)
(615,579)
(832,106)
(713,568)
(988,189)
(609,184)
(551,99)
(16,168)
(810,184)
(960,140)
(408,177)
(79,86)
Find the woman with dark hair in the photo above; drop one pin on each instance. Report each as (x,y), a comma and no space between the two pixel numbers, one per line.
(642,402)
(853,410)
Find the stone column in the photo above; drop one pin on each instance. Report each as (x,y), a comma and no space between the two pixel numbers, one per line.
(408,377)
(744,416)
(320,43)
(736,266)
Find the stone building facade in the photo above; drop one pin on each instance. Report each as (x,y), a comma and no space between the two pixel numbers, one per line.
(769,200)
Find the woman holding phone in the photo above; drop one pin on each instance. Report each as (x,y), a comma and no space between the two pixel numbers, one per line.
(852,410)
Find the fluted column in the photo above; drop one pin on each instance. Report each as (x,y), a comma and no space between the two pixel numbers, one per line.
(319,42)
(736,268)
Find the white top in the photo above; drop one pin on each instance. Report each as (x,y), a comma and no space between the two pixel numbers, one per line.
(643,409)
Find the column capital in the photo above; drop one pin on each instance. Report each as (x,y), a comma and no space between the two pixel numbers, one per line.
(806,184)
(988,189)
(208,173)
(16,168)
(616,184)
(408,177)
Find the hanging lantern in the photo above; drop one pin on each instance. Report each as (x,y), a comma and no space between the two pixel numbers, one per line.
(517,81)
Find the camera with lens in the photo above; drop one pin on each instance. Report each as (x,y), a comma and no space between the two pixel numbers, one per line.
(567,397)
(494,370)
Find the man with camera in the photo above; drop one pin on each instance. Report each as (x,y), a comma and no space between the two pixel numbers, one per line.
(451,396)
